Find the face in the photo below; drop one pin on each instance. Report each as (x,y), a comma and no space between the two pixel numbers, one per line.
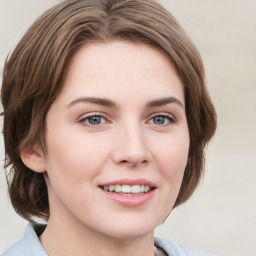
(117,140)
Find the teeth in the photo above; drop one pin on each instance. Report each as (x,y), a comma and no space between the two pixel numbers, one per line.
(111,188)
(146,189)
(118,188)
(126,189)
(135,189)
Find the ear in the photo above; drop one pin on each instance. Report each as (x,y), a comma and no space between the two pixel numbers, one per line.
(33,158)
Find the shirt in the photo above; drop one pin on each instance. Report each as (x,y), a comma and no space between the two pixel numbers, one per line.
(30,245)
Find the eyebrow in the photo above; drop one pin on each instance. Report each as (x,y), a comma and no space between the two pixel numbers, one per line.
(109,103)
(94,100)
(164,101)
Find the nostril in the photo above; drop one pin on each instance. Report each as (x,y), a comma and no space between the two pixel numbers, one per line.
(133,163)
(126,162)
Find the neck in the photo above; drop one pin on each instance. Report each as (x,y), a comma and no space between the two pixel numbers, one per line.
(68,238)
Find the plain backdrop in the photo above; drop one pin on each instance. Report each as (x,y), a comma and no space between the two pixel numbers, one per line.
(221,215)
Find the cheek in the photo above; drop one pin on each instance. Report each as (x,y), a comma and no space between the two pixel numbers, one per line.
(172,155)
(70,171)
(73,157)
(171,161)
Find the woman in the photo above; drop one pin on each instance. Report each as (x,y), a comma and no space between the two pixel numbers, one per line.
(106,117)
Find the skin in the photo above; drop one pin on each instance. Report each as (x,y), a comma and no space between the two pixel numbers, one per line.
(140,135)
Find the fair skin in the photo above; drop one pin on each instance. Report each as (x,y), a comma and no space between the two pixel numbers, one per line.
(119,120)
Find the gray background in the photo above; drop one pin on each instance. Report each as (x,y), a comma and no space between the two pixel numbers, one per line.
(221,215)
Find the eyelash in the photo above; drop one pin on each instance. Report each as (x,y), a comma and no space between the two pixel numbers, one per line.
(171,119)
(83,121)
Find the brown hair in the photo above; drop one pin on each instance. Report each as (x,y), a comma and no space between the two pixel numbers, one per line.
(34,72)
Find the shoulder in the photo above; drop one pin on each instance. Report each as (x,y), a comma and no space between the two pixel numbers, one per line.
(173,249)
(29,245)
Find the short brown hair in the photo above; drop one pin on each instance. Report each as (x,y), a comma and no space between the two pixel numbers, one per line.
(33,77)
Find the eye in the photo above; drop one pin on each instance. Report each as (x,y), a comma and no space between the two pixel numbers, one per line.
(93,120)
(162,120)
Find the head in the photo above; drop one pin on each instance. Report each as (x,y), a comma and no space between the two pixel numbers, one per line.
(35,72)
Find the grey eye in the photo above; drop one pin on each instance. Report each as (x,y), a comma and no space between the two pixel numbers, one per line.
(95,120)
(162,120)
(159,119)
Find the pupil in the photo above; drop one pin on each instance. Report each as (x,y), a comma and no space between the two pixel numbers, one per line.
(159,120)
(95,120)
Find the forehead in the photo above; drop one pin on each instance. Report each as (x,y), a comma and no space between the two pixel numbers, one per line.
(120,67)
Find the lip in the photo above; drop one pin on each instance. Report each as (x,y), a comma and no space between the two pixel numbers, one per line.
(129,200)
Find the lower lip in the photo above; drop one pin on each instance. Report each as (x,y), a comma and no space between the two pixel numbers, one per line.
(130,200)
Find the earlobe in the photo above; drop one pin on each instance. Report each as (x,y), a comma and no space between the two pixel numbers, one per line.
(33,158)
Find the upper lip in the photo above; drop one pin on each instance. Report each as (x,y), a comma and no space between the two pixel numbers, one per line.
(130,182)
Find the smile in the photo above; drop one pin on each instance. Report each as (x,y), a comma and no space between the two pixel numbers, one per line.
(129,192)
(127,189)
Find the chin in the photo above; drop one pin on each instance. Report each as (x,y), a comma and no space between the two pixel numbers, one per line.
(132,230)
(131,234)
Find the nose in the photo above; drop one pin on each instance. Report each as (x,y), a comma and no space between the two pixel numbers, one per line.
(130,147)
